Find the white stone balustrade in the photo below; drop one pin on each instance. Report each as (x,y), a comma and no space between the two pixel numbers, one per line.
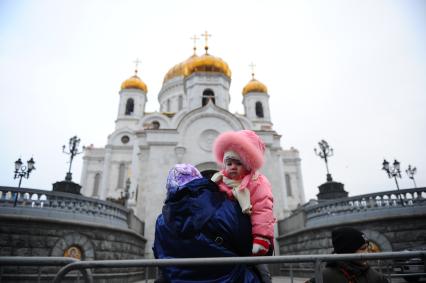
(382,204)
(62,206)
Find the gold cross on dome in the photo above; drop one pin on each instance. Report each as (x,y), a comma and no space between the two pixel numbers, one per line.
(195,38)
(252,66)
(206,37)
(137,61)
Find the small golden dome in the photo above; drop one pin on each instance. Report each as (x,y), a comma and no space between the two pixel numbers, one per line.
(134,82)
(194,64)
(254,86)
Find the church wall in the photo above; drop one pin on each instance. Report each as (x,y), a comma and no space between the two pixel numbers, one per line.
(89,187)
(118,157)
(127,122)
(152,187)
(198,138)
(291,161)
(171,90)
(273,171)
(93,164)
(195,86)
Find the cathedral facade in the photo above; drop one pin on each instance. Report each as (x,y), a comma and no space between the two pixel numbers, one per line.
(194,101)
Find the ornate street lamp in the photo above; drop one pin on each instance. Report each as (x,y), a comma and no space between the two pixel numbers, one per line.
(73,151)
(325,152)
(411,172)
(393,172)
(22,171)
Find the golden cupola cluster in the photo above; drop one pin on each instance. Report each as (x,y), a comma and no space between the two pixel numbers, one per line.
(195,63)
(254,86)
(134,82)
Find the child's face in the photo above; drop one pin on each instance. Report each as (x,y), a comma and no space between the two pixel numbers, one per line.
(234,169)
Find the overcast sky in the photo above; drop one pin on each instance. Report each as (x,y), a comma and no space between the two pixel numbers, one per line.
(350,72)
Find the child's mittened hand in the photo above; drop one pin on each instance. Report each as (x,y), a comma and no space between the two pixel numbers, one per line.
(260,246)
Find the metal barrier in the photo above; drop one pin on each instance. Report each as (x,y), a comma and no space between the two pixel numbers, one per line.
(316,259)
(85,266)
(41,262)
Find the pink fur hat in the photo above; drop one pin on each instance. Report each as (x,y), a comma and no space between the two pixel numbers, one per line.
(245,143)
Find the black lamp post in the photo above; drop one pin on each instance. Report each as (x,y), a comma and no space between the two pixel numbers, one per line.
(411,171)
(325,152)
(73,151)
(22,171)
(393,171)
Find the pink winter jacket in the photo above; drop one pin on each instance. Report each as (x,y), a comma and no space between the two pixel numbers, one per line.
(261,199)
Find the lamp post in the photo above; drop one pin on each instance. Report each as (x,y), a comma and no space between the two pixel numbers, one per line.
(22,171)
(393,171)
(411,171)
(73,151)
(325,152)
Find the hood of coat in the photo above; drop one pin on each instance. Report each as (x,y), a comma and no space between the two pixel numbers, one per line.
(188,208)
(249,147)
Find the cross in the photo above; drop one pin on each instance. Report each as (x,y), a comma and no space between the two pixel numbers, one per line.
(137,61)
(195,38)
(252,65)
(206,37)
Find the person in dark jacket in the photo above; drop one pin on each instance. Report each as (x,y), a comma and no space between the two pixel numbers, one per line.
(198,220)
(347,240)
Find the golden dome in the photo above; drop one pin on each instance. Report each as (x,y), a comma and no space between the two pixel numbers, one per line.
(194,64)
(178,70)
(254,86)
(134,82)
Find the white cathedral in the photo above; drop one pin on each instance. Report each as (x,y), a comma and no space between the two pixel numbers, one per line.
(194,102)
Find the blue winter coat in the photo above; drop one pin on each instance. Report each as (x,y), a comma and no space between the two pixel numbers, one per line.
(198,221)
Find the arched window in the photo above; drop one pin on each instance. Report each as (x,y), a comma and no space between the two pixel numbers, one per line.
(155,125)
(259,109)
(208,94)
(121,172)
(180,102)
(168,105)
(130,106)
(288,185)
(96,184)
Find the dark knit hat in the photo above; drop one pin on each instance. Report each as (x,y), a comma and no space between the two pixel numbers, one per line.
(347,240)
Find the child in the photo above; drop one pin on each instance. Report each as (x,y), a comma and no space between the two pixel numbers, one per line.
(241,155)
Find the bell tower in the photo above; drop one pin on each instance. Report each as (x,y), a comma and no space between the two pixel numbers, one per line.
(132,101)
(256,103)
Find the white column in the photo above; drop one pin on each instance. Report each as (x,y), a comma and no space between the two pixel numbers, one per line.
(134,175)
(83,178)
(284,187)
(105,173)
(301,190)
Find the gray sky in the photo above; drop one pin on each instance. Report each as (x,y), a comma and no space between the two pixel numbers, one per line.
(350,72)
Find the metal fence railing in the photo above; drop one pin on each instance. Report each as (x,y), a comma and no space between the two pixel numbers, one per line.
(85,267)
(39,262)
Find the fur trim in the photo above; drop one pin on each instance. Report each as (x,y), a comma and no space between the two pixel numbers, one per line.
(246,144)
